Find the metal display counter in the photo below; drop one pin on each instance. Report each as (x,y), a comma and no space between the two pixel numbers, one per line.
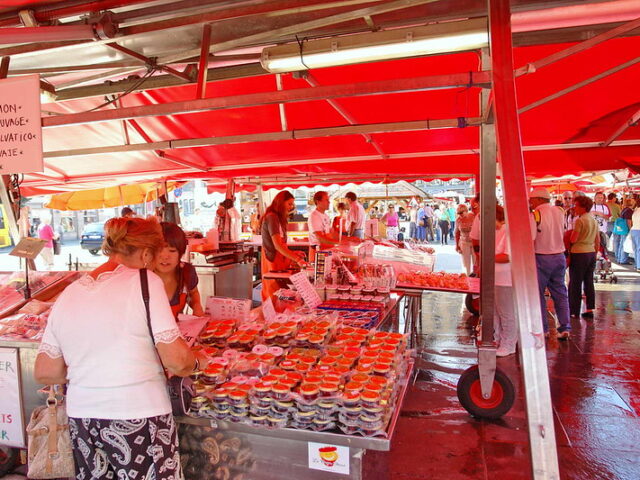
(224,274)
(412,304)
(51,284)
(221,449)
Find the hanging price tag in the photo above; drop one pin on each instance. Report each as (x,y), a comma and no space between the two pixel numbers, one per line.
(220,308)
(306,290)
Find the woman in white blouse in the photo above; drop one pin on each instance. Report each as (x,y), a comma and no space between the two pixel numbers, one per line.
(97,340)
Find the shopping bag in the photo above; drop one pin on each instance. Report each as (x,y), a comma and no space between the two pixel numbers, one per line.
(610,244)
(628,245)
(50,453)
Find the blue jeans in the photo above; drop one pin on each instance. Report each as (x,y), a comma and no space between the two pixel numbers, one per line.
(635,237)
(618,248)
(452,229)
(422,233)
(551,270)
(413,230)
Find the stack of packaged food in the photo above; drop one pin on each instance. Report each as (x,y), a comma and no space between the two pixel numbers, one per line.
(319,374)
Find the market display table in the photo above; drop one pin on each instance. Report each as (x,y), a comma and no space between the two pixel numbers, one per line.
(412,304)
(235,450)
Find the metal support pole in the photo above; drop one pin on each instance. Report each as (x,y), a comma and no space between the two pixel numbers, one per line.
(487,348)
(231,188)
(204,61)
(544,457)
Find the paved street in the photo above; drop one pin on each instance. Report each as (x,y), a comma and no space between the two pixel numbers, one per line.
(61,262)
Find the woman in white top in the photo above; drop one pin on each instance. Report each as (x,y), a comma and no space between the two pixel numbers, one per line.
(506,329)
(97,339)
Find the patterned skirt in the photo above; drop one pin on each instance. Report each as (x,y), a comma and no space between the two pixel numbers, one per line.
(140,449)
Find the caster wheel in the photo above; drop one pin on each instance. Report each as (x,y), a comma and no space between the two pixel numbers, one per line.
(596,280)
(472,302)
(470,394)
(8,459)
(614,280)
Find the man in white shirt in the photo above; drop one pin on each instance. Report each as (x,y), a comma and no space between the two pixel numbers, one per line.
(600,211)
(356,218)
(319,222)
(548,241)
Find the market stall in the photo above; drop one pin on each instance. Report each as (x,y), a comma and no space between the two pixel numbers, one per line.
(22,323)
(286,128)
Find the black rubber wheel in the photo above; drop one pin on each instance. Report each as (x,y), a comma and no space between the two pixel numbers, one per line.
(8,459)
(472,302)
(614,279)
(94,251)
(595,280)
(502,397)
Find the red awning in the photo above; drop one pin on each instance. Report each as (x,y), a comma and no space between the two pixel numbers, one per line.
(561,136)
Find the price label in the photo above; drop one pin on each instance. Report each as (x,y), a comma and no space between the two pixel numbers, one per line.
(222,308)
(28,248)
(305,289)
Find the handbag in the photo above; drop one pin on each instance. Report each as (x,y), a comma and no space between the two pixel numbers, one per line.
(180,388)
(49,441)
(620,226)
(57,248)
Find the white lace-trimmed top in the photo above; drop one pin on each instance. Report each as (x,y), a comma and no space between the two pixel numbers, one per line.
(100,328)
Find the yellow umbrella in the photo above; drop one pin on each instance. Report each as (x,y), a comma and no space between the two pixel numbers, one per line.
(109,196)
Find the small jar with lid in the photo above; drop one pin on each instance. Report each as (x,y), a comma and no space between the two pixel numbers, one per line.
(282,407)
(304,417)
(219,395)
(240,408)
(261,390)
(353,387)
(369,399)
(320,424)
(309,392)
(237,397)
(328,390)
(369,424)
(259,420)
(352,413)
(350,399)
(280,392)
(326,407)
(275,422)
(258,410)
(198,402)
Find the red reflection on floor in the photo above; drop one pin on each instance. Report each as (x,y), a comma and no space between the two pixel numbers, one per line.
(595,390)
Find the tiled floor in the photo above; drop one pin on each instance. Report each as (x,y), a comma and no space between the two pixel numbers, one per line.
(595,389)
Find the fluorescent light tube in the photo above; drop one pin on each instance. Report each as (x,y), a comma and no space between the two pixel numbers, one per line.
(391,44)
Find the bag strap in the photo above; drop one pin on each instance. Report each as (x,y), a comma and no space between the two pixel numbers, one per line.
(144,285)
(52,436)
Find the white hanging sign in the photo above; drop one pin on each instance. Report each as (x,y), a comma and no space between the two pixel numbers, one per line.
(301,281)
(20,125)
(222,308)
(11,421)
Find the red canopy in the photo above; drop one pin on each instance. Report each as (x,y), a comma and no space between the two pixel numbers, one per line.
(561,136)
